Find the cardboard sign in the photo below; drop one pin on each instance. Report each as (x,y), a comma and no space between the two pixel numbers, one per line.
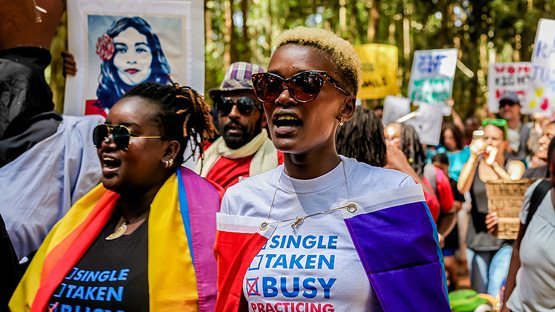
(379,70)
(428,124)
(541,85)
(120,44)
(431,77)
(507,77)
(394,107)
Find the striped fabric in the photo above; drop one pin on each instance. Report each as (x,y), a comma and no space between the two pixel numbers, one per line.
(176,281)
(394,236)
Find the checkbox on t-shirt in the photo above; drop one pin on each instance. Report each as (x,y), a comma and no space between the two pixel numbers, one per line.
(255,264)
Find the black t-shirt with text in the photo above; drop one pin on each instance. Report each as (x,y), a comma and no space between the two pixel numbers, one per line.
(111,276)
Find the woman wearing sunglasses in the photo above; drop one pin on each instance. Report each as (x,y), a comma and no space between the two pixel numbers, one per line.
(142,240)
(323,232)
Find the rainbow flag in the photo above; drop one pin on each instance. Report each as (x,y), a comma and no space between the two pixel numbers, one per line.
(181,232)
(394,236)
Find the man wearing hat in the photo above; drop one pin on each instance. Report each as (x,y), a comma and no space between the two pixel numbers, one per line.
(518,133)
(244,149)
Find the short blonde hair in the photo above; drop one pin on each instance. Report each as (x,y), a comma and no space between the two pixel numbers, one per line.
(341,53)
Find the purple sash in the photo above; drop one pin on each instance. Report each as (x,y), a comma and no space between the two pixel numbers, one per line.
(400,254)
(203,203)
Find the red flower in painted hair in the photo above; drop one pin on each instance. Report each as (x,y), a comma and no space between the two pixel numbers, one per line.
(105,47)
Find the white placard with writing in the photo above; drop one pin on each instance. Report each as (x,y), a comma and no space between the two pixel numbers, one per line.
(507,77)
(541,85)
(431,77)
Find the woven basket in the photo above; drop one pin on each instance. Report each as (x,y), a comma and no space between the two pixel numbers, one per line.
(505,198)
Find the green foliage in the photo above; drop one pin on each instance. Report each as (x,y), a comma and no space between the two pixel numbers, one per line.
(499,30)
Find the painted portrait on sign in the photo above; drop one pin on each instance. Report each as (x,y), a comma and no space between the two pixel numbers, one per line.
(126,51)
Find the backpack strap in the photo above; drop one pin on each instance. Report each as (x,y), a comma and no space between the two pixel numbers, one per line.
(536,199)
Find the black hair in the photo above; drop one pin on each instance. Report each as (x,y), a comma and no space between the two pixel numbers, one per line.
(551,150)
(110,87)
(411,147)
(457,134)
(183,114)
(441,158)
(362,138)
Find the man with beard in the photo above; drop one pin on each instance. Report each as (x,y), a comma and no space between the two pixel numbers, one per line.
(244,149)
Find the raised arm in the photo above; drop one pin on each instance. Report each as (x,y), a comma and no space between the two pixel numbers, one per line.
(477,148)
(457,120)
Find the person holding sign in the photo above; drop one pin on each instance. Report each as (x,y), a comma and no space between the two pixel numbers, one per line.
(322,231)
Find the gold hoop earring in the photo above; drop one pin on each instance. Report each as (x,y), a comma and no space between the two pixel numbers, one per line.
(341,123)
(170,163)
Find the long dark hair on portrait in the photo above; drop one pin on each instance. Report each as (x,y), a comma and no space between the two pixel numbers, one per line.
(111,88)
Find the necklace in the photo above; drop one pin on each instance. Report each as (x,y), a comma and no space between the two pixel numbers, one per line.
(120,231)
(38,11)
(351,207)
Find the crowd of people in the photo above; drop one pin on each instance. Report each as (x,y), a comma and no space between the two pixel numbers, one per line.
(282,195)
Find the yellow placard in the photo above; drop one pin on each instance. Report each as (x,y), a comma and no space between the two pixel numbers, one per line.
(379,70)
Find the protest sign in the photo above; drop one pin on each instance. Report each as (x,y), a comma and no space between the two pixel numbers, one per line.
(507,77)
(431,77)
(395,107)
(428,123)
(541,85)
(379,70)
(120,44)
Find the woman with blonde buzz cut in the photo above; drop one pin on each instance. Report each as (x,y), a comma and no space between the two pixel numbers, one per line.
(323,232)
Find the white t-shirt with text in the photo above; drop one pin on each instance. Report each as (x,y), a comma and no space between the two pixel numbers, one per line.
(314,266)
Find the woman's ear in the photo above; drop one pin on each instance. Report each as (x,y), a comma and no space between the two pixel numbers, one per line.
(348,109)
(172,149)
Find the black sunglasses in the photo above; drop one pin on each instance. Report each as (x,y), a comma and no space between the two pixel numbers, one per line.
(507,103)
(245,105)
(303,87)
(119,134)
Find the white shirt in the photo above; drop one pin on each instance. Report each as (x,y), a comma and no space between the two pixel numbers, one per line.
(535,279)
(314,266)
